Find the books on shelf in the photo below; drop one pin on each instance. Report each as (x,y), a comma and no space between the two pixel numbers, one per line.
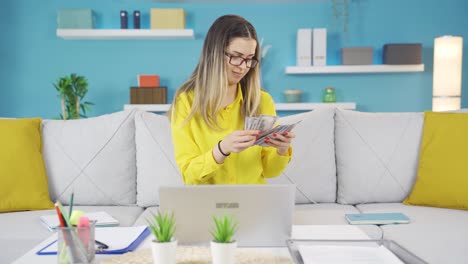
(377,219)
(103,219)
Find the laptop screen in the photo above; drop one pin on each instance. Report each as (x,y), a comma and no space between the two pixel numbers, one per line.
(263,212)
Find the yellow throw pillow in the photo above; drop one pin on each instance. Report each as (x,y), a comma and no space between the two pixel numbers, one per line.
(23,180)
(443,162)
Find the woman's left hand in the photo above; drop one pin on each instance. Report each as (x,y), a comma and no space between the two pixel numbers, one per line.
(280,142)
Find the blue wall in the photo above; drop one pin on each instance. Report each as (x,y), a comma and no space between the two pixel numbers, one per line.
(32,57)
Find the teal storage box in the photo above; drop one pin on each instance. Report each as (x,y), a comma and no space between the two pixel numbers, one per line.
(75,18)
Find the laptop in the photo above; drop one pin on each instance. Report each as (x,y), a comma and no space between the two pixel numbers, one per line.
(263,212)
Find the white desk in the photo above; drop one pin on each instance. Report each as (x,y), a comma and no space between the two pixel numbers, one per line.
(299,232)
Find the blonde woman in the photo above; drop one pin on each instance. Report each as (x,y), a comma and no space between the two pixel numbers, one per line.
(209,109)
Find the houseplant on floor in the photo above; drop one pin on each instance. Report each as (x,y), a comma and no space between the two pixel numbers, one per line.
(72,89)
(223,245)
(164,247)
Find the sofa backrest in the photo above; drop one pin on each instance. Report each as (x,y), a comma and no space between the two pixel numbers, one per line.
(340,156)
(312,167)
(155,159)
(94,158)
(377,155)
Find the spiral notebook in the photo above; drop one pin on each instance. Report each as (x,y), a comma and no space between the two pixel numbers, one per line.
(103,219)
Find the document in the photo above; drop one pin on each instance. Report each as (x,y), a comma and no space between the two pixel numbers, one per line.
(329,254)
(103,219)
(328,232)
(119,240)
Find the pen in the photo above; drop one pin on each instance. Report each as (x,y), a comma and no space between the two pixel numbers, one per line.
(101,245)
(71,205)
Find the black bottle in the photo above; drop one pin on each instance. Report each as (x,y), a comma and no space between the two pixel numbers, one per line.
(136,19)
(123,19)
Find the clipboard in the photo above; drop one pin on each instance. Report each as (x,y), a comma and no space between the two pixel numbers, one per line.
(134,235)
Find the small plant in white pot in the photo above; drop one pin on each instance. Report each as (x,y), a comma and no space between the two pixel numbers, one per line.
(164,247)
(223,245)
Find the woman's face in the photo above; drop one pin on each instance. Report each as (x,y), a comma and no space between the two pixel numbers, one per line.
(239,51)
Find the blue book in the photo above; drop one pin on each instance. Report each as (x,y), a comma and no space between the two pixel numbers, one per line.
(377,219)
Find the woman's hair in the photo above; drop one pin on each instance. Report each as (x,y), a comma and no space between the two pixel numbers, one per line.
(209,80)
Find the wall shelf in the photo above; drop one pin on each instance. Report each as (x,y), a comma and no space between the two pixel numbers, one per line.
(120,34)
(354,69)
(279,106)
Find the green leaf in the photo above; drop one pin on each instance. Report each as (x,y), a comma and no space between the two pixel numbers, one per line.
(162,226)
(224,230)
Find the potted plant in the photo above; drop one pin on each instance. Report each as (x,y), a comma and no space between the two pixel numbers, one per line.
(340,10)
(72,90)
(164,247)
(223,245)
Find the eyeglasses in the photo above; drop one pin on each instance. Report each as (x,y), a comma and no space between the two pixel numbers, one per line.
(237,61)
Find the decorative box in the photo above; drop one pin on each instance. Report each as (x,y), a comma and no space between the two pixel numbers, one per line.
(75,18)
(167,18)
(409,53)
(292,96)
(357,56)
(148,95)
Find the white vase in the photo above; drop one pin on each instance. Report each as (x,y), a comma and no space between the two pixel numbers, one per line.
(164,252)
(223,253)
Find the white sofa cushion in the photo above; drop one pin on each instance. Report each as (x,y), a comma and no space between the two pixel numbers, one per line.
(436,235)
(94,158)
(156,164)
(312,167)
(377,155)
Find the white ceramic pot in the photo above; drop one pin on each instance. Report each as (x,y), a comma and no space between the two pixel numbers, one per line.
(164,252)
(223,253)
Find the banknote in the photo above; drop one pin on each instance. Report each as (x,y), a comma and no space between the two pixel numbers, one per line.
(266,124)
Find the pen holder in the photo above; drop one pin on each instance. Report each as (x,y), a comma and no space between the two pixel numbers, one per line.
(76,244)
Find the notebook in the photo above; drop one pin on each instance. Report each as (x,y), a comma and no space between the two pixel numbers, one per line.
(377,219)
(102,219)
(264,212)
(119,240)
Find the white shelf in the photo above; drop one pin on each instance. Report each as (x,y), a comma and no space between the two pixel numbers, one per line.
(312,106)
(118,34)
(279,106)
(354,69)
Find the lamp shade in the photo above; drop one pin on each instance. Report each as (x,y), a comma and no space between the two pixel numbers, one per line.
(446,92)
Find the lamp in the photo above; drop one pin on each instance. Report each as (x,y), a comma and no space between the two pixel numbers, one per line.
(446,92)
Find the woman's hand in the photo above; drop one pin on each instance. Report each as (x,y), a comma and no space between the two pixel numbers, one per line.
(239,140)
(280,142)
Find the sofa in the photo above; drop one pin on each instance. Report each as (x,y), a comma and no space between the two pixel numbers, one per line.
(343,162)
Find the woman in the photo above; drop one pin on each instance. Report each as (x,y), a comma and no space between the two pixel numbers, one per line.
(209,109)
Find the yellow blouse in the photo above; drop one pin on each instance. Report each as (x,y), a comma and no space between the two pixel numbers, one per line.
(193,144)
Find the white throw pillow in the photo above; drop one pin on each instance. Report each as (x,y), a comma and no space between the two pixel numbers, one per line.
(377,155)
(312,167)
(156,164)
(94,158)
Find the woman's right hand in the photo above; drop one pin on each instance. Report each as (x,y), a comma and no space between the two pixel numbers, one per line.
(239,140)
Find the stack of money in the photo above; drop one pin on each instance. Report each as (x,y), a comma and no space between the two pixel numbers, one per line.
(266,123)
